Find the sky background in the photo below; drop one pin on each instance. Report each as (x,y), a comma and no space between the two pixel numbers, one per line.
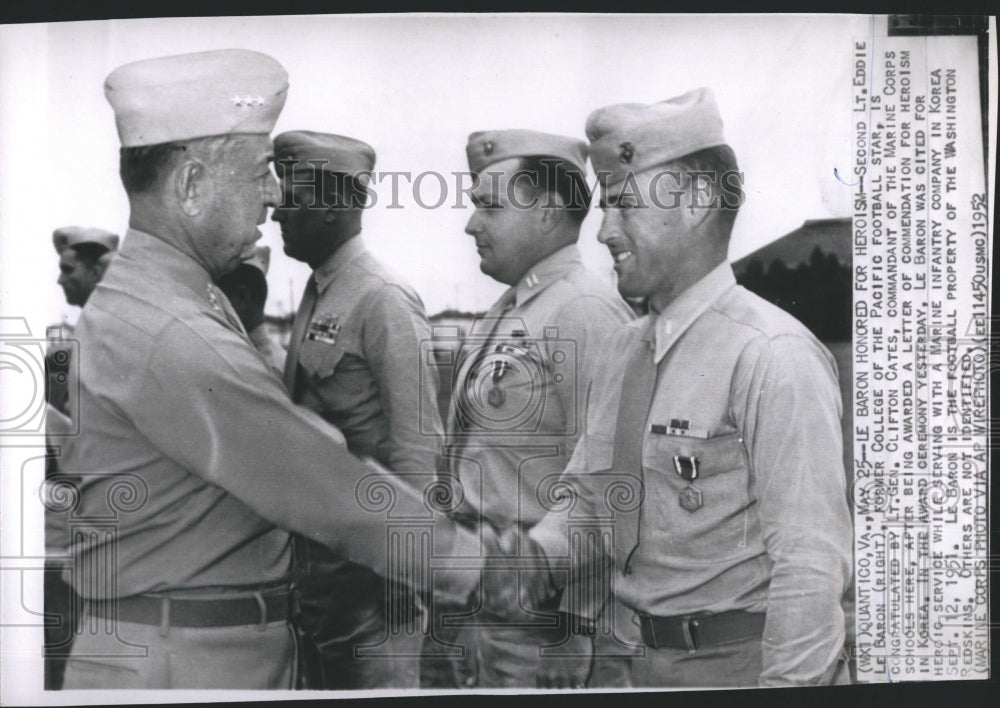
(414,87)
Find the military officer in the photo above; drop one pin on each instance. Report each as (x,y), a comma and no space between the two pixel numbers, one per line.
(194,462)
(246,289)
(732,553)
(520,385)
(354,358)
(84,254)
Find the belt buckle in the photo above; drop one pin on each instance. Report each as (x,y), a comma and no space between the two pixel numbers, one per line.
(689,625)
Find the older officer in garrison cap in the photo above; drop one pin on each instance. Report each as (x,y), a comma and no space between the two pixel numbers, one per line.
(354,358)
(735,556)
(190,447)
(246,290)
(520,385)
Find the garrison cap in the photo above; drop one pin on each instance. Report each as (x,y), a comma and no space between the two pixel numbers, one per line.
(261,259)
(333,153)
(488,146)
(188,96)
(68,236)
(632,137)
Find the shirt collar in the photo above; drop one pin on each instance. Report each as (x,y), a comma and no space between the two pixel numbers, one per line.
(348,251)
(676,317)
(167,260)
(545,272)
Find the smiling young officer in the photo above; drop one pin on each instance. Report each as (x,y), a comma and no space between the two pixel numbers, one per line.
(734,562)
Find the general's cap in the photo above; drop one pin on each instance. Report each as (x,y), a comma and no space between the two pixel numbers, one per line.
(188,96)
(261,259)
(68,236)
(488,146)
(334,153)
(632,137)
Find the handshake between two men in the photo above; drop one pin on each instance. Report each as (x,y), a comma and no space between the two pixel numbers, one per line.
(514,629)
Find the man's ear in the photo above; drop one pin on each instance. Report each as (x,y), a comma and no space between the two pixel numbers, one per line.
(102,264)
(191,186)
(552,212)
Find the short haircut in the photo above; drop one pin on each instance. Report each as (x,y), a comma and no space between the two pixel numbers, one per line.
(141,168)
(722,178)
(551,175)
(247,276)
(89,253)
(345,191)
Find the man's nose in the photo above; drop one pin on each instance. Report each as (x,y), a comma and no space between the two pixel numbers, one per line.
(609,228)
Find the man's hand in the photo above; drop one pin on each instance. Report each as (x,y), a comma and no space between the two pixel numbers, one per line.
(570,670)
(525,583)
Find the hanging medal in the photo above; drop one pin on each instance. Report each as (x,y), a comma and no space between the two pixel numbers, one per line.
(495,396)
(689,497)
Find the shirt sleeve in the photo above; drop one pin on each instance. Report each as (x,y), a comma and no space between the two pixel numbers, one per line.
(590,323)
(786,400)
(211,404)
(395,329)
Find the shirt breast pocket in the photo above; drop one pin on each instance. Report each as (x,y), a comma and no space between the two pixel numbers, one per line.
(698,493)
(320,359)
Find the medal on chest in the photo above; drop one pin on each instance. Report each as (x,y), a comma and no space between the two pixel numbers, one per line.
(690,497)
(495,396)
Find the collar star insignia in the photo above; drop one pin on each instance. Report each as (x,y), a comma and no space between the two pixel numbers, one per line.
(247,101)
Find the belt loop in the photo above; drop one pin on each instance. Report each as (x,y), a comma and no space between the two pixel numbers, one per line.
(647,621)
(687,624)
(263,611)
(164,616)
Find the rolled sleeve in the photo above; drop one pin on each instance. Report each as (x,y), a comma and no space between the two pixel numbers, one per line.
(786,395)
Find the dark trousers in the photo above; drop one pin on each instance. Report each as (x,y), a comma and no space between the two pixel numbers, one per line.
(356,630)
(60,625)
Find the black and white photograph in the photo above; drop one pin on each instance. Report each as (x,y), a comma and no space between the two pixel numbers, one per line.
(380,355)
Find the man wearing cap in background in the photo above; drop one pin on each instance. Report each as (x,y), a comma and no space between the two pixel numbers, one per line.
(520,385)
(354,358)
(189,443)
(246,290)
(734,561)
(84,254)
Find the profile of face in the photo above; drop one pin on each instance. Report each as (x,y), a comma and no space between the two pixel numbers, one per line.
(78,277)
(302,217)
(506,223)
(647,231)
(239,186)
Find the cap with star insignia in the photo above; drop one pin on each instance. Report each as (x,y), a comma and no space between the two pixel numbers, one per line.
(199,95)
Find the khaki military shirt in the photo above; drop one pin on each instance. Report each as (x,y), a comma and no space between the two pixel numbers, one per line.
(365,373)
(517,409)
(748,391)
(194,461)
